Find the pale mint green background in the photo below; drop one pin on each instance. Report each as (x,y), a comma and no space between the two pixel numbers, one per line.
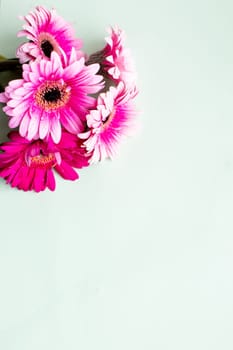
(137,255)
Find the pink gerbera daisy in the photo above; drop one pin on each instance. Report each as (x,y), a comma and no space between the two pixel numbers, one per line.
(29,165)
(50,95)
(115,59)
(109,122)
(47,32)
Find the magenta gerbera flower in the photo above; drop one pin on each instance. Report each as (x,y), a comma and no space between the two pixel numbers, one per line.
(112,119)
(50,96)
(115,59)
(29,165)
(47,32)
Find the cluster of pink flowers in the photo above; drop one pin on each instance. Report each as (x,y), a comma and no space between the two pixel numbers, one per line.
(68,110)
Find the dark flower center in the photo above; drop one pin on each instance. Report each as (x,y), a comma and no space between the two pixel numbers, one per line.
(52,95)
(47,48)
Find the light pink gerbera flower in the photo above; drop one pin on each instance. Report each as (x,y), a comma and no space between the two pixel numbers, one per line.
(29,165)
(47,32)
(115,59)
(112,119)
(50,96)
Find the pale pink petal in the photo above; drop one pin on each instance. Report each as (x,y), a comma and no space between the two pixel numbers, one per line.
(33,126)
(44,126)
(23,129)
(56,130)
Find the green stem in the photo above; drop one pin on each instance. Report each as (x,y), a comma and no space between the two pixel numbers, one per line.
(10,69)
(9,65)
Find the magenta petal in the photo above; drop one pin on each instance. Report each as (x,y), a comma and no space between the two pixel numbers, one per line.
(51,180)
(28,165)
(73,69)
(71,121)
(39,180)
(66,171)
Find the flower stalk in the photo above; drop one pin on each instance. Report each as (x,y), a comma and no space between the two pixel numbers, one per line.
(9,64)
(9,69)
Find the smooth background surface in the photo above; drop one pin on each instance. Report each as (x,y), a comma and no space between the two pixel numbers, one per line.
(138,253)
